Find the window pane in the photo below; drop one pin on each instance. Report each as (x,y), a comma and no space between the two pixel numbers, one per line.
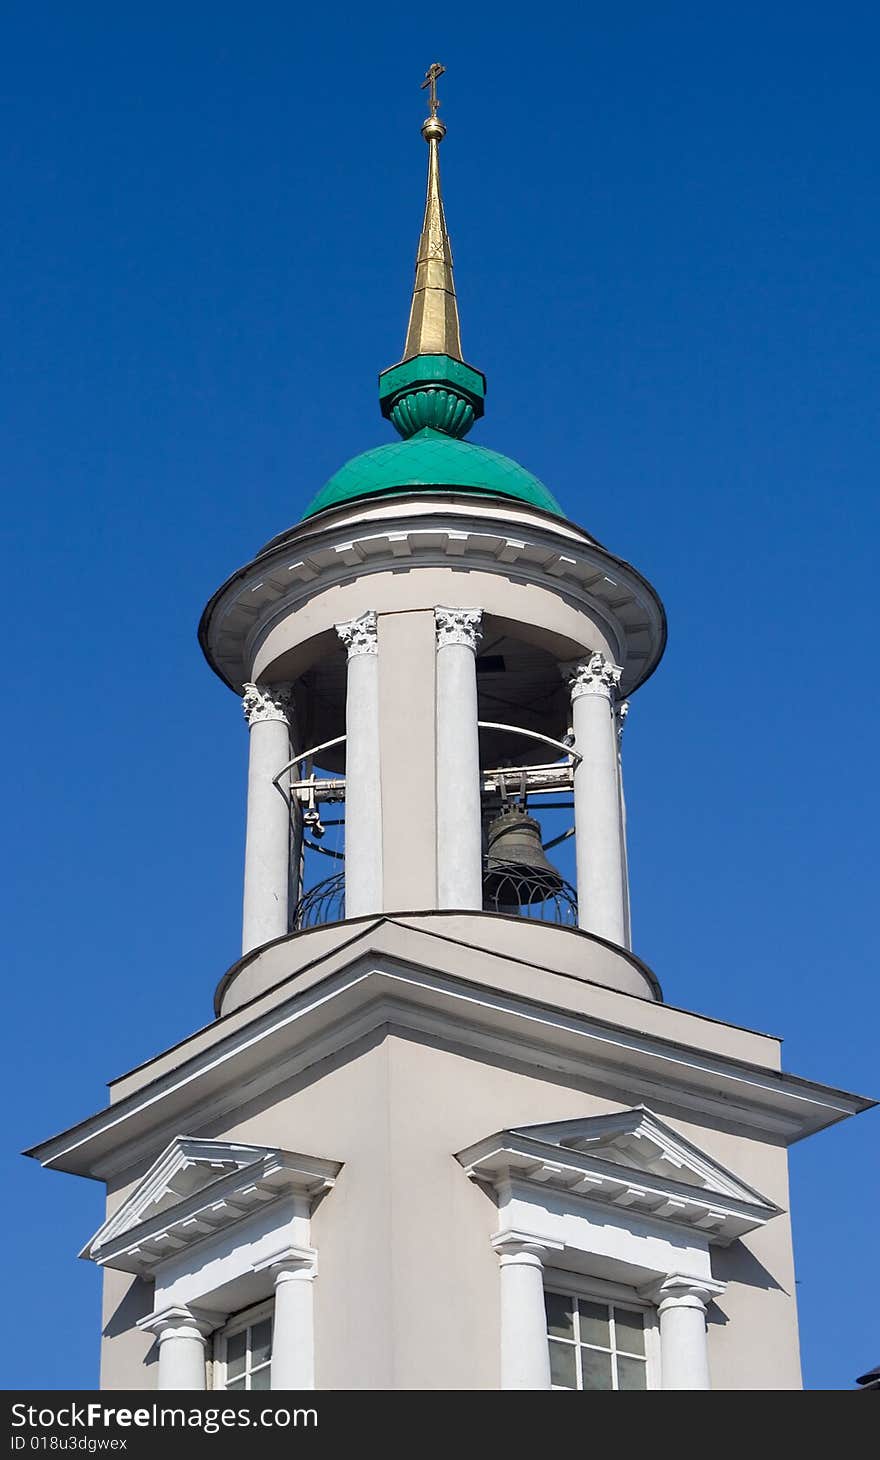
(261,1342)
(562,1365)
(630,1330)
(236,1347)
(632,1374)
(594,1323)
(236,1384)
(596,1369)
(560,1321)
(260,1380)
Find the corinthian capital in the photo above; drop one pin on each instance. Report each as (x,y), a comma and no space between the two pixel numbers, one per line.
(267,702)
(594,675)
(360,635)
(458,626)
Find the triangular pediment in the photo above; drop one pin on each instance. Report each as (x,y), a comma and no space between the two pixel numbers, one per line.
(631,1159)
(194,1189)
(187,1165)
(638,1140)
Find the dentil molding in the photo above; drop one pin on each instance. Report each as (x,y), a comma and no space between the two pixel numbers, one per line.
(559,559)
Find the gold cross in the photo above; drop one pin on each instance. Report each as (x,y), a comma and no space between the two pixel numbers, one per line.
(433,71)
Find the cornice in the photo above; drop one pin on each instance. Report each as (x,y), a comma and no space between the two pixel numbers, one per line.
(720,1208)
(525,550)
(138,1238)
(643,1135)
(377,991)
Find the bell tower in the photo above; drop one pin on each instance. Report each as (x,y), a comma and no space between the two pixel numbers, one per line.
(444,1132)
(436,656)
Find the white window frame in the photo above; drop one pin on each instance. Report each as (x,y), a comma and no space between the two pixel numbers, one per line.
(597,1290)
(239,1321)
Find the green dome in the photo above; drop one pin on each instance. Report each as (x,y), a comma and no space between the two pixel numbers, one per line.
(432,461)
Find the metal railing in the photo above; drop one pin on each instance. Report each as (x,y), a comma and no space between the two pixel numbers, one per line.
(520,891)
(512,888)
(323,903)
(544,779)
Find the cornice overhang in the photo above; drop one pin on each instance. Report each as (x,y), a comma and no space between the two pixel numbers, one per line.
(618,1161)
(375,987)
(227,1181)
(522,543)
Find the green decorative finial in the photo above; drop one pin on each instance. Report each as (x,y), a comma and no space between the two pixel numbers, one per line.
(432,387)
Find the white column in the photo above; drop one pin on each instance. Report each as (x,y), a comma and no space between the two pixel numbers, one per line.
(363,802)
(684,1349)
(459,827)
(181,1332)
(622,710)
(267,848)
(597,809)
(293,1332)
(525,1354)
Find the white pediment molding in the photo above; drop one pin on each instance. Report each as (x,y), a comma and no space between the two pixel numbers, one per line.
(639,1139)
(631,1160)
(195,1189)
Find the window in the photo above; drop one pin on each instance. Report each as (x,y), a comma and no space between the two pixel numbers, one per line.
(244,1352)
(595,1345)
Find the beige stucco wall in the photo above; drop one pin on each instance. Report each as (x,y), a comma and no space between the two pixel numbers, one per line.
(407,1295)
(572,952)
(563,967)
(549,618)
(129,1358)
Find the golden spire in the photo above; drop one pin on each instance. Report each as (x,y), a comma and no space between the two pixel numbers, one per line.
(433,318)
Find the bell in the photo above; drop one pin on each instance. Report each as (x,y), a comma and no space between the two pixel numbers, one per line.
(517,870)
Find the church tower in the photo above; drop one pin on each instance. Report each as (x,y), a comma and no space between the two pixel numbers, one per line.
(443,1132)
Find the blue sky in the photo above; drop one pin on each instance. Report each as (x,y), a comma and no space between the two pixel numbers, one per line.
(664,222)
